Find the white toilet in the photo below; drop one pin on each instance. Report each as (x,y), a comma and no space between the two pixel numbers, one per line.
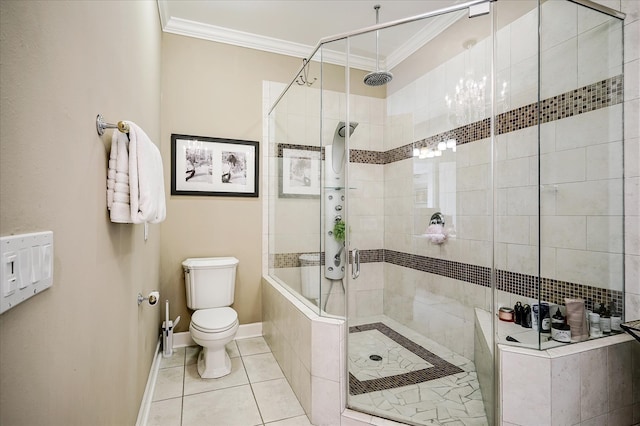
(210,284)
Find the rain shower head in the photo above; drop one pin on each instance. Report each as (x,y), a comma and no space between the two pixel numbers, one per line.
(377,78)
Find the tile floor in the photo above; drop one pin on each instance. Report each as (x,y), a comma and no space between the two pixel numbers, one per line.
(255,393)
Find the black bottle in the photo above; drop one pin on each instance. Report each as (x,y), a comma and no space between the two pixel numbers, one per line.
(545,324)
(517,313)
(557,318)
(526,316)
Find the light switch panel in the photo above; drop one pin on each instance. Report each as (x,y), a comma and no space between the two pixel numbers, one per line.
(27,262)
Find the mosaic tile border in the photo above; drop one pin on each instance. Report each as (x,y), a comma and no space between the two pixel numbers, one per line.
(289,260)
(441,368)
(594,96)
(282,146)
(292,260)
(524,285)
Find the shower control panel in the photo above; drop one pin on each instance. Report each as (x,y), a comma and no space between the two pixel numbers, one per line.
(27,267)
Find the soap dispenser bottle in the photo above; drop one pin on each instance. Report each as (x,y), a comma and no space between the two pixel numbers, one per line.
(605,319)
(526,316)
(557,318)
(517,313)
(545,324)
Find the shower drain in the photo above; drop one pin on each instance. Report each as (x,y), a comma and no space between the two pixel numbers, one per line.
(375,357)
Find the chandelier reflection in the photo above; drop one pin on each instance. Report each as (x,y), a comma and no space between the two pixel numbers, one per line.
(468,103)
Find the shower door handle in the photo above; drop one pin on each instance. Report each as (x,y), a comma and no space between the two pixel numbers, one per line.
(355,267)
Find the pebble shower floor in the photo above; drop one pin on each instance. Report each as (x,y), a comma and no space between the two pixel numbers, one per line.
(417,381)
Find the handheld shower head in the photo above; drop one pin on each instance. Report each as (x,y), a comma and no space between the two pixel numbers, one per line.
(342,126)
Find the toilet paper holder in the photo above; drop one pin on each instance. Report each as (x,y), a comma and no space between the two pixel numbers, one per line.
(152,298)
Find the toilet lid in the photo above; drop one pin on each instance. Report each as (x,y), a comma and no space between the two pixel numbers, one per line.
(214,320)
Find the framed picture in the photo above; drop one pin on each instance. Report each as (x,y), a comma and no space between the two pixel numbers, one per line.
(213,166)
(300,171)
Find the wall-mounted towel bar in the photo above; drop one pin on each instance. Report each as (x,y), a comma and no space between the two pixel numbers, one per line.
(102,125)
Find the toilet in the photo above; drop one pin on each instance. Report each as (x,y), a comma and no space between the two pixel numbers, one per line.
(210,286)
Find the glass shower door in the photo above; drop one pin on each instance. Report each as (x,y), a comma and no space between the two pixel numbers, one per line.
(419,205)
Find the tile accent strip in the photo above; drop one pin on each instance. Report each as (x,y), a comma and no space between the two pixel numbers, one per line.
(513,282)
(282,146)
(594,96)
(441,368)
(473,274)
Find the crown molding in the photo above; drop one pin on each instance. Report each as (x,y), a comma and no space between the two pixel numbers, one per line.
(203,31)
(422,37)
(252,41)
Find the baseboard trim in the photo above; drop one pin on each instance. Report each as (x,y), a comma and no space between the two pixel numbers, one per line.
(245,331)
(147,396)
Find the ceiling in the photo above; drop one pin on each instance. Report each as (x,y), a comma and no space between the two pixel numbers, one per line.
(294,28)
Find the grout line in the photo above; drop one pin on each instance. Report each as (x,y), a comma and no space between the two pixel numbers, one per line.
(251,387)
(184,378)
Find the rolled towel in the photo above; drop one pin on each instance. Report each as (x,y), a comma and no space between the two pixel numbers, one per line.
(111,172)
(146,178)
(118,180)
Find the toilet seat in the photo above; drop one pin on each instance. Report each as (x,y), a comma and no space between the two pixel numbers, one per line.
(214,320)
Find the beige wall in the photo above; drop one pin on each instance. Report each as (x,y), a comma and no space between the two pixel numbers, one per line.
(213,89)
(80,352)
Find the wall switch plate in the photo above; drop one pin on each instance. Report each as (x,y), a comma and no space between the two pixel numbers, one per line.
(26,267)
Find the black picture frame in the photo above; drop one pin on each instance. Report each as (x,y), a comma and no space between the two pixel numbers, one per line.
(299,171)
(208,166)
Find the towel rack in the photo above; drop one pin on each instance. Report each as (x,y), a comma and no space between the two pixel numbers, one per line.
(102,125)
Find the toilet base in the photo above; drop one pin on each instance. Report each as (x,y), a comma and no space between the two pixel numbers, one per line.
(213,363)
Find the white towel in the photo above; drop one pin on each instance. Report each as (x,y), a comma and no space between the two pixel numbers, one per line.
(146,178)
(118,180)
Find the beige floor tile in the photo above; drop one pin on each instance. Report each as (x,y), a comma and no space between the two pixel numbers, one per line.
(193,383)
(232,349)
(176,360)
(252,346)
(169,383)
(262,367)
(229,407)
(276,400)
(191,356)
(165,413)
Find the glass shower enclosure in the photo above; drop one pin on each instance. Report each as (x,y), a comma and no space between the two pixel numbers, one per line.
(468,202)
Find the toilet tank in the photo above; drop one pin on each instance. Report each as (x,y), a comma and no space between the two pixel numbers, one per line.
(210,281)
